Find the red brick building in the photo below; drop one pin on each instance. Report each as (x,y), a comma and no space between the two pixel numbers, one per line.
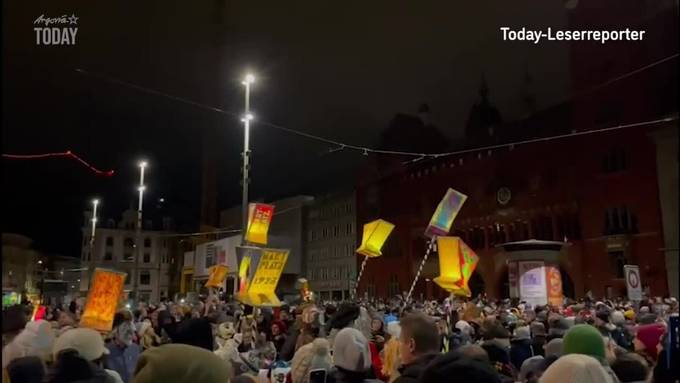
(598,193)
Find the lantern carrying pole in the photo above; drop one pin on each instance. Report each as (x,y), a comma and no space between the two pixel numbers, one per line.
(361,272)
(430,247)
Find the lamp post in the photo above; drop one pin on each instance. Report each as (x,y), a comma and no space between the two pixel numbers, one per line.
(88,260)
(135,277)
(95,203)
(249,79)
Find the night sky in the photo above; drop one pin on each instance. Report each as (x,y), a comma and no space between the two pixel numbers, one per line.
(338,70)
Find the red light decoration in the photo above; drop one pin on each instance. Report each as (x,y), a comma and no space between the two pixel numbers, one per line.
(67,154)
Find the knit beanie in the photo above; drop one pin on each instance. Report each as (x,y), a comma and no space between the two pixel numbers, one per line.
(463,368)
(629,314)
(554,347)
(618,318)
(650,335)
(309,357)
(648,318)
(350,350)
(537,329)
(530,365)
(576,368)
(180,363)
(584,339)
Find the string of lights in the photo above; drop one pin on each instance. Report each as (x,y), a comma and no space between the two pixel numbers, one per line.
(67,154)
(339,146)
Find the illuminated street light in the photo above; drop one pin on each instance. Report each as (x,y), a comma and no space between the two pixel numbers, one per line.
(141,188)
(247,117)
(249,79)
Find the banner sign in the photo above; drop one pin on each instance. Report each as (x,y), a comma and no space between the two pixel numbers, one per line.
(633,283)
(457,262)
(261,290)
(532,285)
(375,235)
(259,218)
(218,274)
(102,301)
(554,285)
(447,210)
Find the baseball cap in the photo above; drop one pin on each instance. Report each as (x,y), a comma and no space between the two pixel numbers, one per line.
(87,342)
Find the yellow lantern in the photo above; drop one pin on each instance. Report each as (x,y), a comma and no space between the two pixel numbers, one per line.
(457,262)
(375,235)
(259,217)
(218,274)
(102,300)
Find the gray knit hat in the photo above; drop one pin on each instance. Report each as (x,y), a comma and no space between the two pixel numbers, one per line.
(350,350)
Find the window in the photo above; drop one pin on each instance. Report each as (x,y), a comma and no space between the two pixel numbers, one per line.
(617,260)
(370,289)
(147,257)
(619,220)
(147,242)
(165,243)
(144,278)
(542,226)
(129,243)
(336,231)
(614,161)
(325,233)
(109,241)
(393,287)
(568,227)
(477,240)
(209,256)
(128,256)
(108,256)
(496,234)
(350,228)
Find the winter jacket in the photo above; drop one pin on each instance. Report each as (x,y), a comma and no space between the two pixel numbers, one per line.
(521,350)
(410,373)
(339,375)
(195,332)
(123,360)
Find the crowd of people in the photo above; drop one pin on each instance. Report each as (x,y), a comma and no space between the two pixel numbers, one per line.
(450,340)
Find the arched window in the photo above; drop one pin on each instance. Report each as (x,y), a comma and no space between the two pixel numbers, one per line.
(129,243)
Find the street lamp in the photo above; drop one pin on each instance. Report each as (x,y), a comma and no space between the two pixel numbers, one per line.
(247,117)
(141,188)
(95,203)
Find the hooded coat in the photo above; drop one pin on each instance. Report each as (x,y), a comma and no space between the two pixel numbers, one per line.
(180,363)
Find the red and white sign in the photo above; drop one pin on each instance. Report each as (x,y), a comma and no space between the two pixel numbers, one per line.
(633,283)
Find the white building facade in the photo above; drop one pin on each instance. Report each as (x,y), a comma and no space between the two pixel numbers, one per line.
(115,248)
(330,246)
